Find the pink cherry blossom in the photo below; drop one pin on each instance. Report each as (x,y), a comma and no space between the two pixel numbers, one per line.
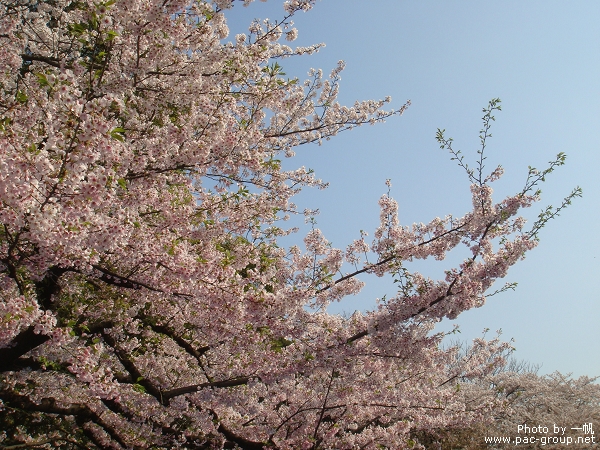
(146,298)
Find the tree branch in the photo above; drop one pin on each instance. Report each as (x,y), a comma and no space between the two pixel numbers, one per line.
(244,443)
(386,260)
(167,395)
(82,413)
(24,342)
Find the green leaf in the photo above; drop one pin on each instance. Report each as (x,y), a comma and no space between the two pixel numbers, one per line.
(42,79)
(77,28)
(94,22)
(139,388)
(21,97)
(117,134)
(279,343)
(111,35)
(4,122)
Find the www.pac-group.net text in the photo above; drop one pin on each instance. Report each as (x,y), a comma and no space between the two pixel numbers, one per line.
(552,435)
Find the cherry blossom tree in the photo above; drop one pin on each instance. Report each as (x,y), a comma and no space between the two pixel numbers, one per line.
(145,301)
(551,399)
(532,406)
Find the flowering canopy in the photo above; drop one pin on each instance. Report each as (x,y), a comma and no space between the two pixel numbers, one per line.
(144,299)
(551,410)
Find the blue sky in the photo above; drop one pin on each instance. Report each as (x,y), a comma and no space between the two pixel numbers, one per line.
(542,58)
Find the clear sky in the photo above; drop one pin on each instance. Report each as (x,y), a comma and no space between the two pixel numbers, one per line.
(542,58)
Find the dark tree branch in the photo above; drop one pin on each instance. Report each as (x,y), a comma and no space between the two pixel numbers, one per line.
(386,260)
(323,409)
(45,59)
(27,339)
(49,286)
(131,368)
(242,442)
(114,279)
(239,381)
(24,342)
(448,293)
(82,413)
(171,333)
